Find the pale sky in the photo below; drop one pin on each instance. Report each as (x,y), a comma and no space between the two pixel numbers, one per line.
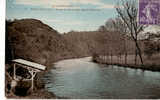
(63,21)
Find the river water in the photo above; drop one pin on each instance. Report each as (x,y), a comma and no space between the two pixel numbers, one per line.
(80,78)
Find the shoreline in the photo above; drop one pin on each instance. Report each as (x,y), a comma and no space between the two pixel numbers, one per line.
(145,66)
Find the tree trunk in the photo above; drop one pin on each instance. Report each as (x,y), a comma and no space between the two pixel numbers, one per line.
(135,59)
(107,59)
(126,58)
(111,58)
(121,59)
(139,51)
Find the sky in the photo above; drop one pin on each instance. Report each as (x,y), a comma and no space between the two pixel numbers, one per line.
(79,15)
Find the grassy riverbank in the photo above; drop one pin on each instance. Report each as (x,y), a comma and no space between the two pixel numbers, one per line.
(150,63)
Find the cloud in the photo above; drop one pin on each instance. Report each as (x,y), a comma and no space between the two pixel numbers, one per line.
(51,3)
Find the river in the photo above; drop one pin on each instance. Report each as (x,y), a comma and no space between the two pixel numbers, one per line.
(81,78)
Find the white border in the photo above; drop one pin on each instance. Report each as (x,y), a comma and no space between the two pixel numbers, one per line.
(2,48)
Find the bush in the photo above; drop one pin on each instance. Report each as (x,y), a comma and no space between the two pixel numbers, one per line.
(22,88)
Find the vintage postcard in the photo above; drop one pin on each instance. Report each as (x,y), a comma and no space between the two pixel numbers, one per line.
(82,49)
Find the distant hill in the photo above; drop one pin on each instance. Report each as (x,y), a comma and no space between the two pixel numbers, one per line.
(33,40)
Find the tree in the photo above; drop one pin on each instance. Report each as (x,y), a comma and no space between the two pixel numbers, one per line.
(109,25)
(102,28)
(119,25)
(115,25)
(128,11)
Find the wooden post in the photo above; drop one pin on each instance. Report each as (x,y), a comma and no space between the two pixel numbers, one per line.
(33,75)
(32,85)
(14,71)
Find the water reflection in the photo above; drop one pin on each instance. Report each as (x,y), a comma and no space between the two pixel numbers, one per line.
(79,78)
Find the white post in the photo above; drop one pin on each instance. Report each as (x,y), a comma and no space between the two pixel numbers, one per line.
(32,85)
(33,75)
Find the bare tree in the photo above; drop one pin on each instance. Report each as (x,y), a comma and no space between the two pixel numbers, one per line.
(102,28)
(109,25)
(119,25)
(127,10)
(115,25)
